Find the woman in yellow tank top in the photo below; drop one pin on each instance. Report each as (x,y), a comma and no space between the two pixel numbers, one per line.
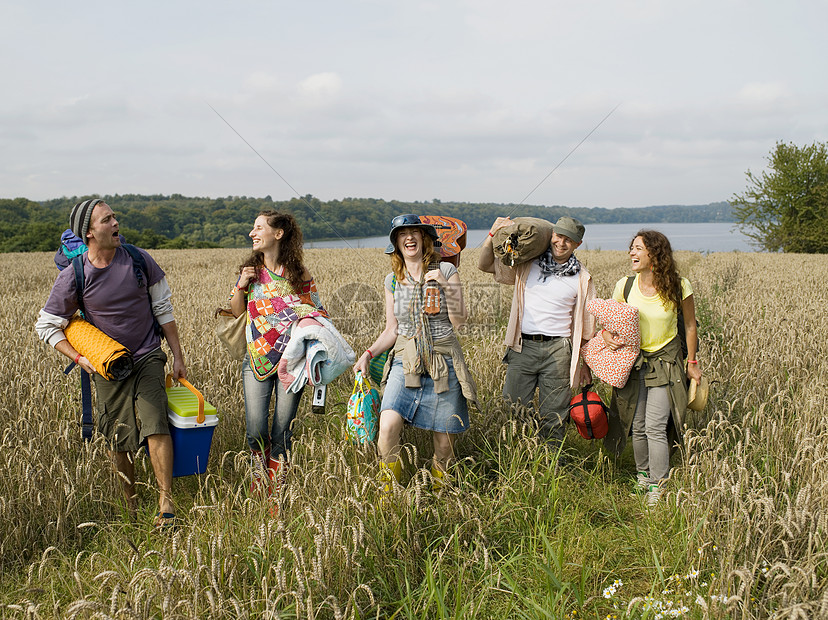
(655,396)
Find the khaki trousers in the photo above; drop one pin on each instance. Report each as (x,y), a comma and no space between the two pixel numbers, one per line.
(543,366)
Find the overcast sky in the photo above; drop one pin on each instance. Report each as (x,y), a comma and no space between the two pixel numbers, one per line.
(409,100)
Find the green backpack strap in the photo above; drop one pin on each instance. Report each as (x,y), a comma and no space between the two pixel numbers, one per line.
(628,287)
(682,334)
(629,284)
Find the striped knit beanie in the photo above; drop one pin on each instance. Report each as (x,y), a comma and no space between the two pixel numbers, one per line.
(81,214)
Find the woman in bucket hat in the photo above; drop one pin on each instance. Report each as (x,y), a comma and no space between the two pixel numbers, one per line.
(427,384)
(654,398)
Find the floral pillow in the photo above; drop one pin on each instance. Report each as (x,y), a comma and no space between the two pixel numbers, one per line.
(613,367)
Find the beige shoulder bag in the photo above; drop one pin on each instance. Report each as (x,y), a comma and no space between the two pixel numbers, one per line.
(230,330)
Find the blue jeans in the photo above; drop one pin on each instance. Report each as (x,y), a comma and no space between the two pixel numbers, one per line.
(257,395)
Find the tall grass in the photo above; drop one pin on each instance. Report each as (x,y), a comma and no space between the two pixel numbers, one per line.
(741,532)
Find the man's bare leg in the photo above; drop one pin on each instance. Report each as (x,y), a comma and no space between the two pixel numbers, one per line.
(161,457)
(125,470)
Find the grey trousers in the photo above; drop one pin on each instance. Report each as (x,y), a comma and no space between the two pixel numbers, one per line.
(545,366)
(649,431)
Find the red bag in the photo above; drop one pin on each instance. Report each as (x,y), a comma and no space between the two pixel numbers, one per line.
(588,412)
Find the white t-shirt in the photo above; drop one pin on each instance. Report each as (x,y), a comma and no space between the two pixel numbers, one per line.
(548,306)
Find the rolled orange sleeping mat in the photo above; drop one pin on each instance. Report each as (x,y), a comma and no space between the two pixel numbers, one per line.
(111,360)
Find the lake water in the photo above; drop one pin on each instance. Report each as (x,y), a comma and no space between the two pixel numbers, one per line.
(698,237)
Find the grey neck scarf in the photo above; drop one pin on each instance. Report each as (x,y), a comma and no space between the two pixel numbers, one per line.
(549,267)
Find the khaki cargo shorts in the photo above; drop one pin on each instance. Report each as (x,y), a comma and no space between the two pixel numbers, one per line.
(131,410)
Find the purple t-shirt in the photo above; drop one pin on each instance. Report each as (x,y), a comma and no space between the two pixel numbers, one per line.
(113,300)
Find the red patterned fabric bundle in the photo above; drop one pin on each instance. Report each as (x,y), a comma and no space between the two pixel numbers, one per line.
(621,319)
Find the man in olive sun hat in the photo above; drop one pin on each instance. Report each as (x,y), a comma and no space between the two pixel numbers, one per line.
(548,324)
(124,293)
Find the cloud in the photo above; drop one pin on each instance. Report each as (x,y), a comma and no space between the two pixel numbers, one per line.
(763,92)
(321,87)
(261,81)
(453,99)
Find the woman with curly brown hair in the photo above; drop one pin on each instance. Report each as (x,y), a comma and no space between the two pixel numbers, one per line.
(275,290)
(655,396)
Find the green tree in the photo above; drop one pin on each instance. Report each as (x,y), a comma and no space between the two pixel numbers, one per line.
(786,207)
(34,237)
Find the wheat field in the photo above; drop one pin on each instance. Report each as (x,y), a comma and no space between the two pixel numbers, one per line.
(741,532)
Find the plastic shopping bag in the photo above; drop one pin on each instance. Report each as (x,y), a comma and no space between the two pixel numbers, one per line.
(362,412)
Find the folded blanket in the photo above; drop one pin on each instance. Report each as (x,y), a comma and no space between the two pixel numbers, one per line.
(613,367)
(316,353)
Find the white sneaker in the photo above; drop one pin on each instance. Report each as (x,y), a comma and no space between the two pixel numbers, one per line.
(642,481)
(653,495)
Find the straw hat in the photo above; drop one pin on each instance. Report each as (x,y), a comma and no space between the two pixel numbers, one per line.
(697,394)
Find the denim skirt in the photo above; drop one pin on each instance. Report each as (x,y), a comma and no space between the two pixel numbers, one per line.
(422,407)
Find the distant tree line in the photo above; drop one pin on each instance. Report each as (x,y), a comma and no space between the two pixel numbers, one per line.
(178,221)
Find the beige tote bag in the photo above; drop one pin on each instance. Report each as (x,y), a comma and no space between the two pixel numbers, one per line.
(230,330)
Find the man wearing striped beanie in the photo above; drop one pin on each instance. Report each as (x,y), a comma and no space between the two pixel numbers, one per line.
(125,295)
(80,216)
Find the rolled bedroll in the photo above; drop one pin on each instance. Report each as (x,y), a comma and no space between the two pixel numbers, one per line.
(111,360)
(523,240)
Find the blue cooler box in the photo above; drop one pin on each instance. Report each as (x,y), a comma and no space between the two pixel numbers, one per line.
(191,439)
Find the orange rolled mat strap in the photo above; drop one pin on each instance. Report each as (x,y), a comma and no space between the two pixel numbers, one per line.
(111,360)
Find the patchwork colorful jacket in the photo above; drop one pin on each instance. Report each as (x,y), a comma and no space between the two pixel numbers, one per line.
(272,307)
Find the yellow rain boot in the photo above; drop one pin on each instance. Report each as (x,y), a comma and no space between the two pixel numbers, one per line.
(388,473)
(437,478)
